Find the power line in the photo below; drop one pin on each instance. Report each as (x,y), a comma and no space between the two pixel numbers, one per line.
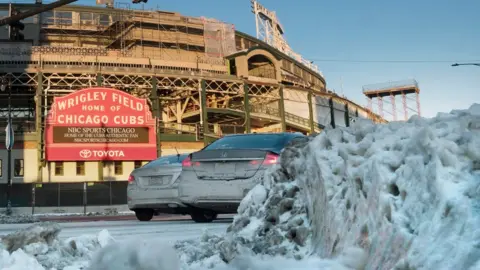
(391,61)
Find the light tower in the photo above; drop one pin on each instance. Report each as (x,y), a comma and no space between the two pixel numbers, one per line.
(270,30)
(387,93)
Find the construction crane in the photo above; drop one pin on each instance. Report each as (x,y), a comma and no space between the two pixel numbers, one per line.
(23,15)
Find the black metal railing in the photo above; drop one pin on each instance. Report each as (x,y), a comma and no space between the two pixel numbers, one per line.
(66,194)
(225,129)
(302,121)
(175,128)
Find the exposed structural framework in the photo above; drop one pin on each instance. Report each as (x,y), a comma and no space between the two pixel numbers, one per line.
(388,92)
(202,79)
(270,30)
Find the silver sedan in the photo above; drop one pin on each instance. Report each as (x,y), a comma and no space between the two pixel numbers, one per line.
(215,179)
(153,188)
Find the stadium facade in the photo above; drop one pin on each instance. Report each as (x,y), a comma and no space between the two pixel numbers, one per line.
(201,79)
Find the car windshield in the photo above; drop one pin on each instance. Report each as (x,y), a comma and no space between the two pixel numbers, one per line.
(274,142)
(166,160)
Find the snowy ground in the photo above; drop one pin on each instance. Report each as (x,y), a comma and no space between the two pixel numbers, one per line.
(88,237)
(169,231)
(397,196)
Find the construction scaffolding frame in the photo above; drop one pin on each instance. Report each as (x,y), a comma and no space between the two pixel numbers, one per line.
(387,94)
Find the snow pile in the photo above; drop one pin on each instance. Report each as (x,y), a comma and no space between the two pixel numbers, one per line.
(17,219)
(38,247)
(407,193)
(404,195)
(44,233)
(129,255)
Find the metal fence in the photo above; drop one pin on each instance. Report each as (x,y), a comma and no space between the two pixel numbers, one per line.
(66,194)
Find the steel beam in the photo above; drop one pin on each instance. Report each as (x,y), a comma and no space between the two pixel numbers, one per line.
(311,117)
(34,12)
(246,100)
(157,113)
(203,111)
(281,109)
(332,112)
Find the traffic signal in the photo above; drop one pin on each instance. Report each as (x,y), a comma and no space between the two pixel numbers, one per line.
(16,27)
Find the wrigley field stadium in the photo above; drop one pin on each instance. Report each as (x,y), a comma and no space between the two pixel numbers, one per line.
(96,91)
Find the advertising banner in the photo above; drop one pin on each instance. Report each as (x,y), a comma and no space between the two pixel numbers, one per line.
(96,124)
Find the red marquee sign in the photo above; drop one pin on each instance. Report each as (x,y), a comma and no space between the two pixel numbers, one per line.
(96,124)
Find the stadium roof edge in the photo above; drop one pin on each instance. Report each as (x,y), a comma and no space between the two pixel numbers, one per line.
(262,44)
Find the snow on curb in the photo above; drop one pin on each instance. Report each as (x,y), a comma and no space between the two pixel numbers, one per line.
(110,212)
(17,219)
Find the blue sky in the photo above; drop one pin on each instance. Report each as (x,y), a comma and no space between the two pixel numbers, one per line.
(430,30)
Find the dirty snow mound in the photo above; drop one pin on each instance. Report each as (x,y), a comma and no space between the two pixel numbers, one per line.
(146,255)
(36,234)
(407,193)
(38,247)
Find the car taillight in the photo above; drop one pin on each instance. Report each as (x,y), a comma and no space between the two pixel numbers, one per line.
(270,159)
(131,179)
(187,162)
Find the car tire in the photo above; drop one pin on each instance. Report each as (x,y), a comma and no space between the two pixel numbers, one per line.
(144,214)
(203,216)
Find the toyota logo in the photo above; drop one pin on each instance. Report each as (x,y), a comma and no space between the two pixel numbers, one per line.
(85,153)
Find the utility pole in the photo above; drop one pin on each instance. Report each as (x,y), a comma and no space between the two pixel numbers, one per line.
(9,141)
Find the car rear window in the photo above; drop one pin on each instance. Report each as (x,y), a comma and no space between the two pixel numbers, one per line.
(273,142)
(166,160)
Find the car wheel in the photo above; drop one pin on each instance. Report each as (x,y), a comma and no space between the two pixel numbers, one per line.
(203,216)
(144,214)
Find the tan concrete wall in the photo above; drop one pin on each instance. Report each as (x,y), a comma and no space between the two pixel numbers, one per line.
(29,155)
(241,62)
(242,66)
(69,175)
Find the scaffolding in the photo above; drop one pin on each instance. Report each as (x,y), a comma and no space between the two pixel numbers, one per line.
(385,96)
(123,16)
(131,32)
(219,38)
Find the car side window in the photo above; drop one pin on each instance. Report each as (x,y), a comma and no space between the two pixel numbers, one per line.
(166,160)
